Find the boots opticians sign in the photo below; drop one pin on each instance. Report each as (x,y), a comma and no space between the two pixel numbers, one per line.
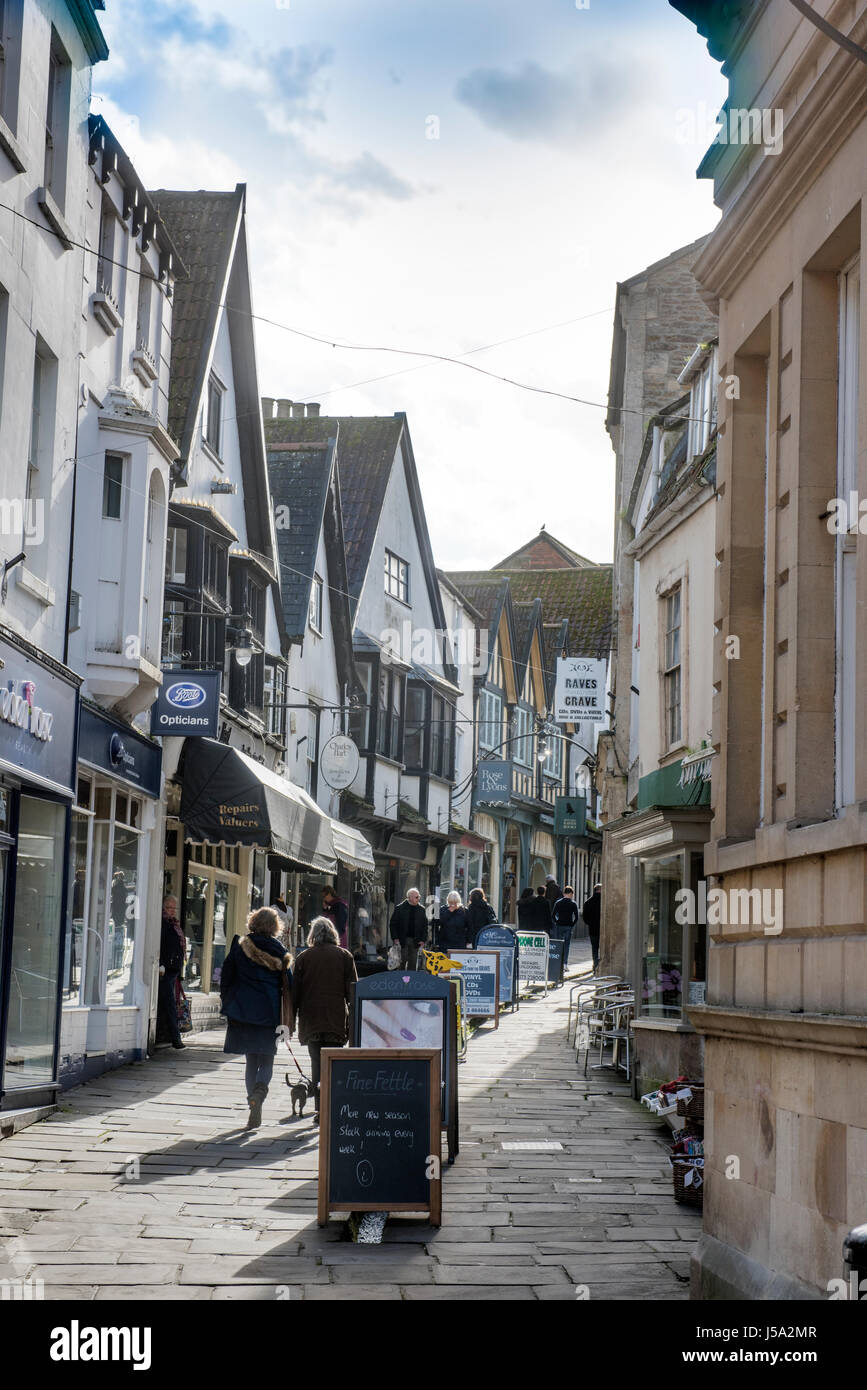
(580,692)
(188,704)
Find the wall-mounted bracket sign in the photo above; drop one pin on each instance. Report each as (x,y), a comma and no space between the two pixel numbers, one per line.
(494,781)
(379,1143)
(580,690)
(481,983)
(338,762)
(188,704)
(505,943)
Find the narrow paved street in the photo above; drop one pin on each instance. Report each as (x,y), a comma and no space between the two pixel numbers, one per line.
(144,1186)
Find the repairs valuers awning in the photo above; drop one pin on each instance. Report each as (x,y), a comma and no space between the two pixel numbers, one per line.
(228,798)
(351,847)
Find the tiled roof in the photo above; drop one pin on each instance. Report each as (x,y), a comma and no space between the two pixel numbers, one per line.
(366,447)
(582,596)
(202,227)
(299,482)
(522,557)
(484,589)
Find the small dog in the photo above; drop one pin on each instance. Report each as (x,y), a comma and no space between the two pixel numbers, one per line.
(300,1091)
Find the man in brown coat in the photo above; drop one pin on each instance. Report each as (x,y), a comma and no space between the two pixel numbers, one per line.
(321,993)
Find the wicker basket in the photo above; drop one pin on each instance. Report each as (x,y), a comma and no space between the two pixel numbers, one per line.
(693,1109)
(692,1195)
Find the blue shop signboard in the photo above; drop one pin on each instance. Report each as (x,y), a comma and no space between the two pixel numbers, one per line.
(494,781)
(38,717)
(188,704)
(118,750)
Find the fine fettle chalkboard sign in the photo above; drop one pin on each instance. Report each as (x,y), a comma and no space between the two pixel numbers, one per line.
(379,1141)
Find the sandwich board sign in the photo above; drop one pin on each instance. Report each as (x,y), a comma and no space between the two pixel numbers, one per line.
(481,981)
(533,948)
(412,1009)
(379,1143)
(503,941)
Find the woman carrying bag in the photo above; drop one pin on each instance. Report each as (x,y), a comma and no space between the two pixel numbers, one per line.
(321,994)
(255,996)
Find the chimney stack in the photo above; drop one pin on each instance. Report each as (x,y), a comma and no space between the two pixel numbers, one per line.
(312,409)
(267,407)
(297,410)
(284,410)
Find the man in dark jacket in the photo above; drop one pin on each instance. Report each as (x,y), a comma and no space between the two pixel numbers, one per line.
(540,912)
(172,953)
(552,890)
(409,926)
(564,915)
(336,911)
(591,912)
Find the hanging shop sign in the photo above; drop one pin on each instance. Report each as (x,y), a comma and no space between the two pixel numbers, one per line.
(118,750)
(38,718)
(338,762)
(494,782)
(570,815)
(580,690)
(380,1126)
(188,703)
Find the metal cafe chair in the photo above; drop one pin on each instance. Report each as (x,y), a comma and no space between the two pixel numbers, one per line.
(588,1004)
(590,984)
(608,1022)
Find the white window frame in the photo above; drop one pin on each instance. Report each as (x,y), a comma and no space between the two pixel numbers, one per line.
(314,611)
(523,744)
(490,719)
(845,698)
(396,577)
(215,390)
(669,668)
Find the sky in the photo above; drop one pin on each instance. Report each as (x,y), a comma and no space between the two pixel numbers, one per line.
(443,177)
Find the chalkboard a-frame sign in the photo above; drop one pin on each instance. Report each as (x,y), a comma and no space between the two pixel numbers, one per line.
(379,1141)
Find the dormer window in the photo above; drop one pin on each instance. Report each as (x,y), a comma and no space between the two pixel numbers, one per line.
(396,577)
(703,407)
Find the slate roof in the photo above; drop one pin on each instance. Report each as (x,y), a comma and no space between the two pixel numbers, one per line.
(582,596)
(366,450)
(202,226)
(484,589)
(299,481)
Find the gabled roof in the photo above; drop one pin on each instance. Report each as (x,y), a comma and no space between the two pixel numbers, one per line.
(544,552)
(203,227)
(209,231)
(366,449)
(583,597)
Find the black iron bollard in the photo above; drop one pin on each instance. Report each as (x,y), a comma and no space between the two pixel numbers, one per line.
(855,1256)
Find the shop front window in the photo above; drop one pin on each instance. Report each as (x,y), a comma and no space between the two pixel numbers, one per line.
(663,938)
(195,916)
(123,915)
(224,909)
(76,929)
(34,957)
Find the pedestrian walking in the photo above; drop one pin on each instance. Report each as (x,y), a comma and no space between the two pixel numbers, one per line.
(255,996)
(564,915)
(173,951)
(552,890)
(408,925)
(321,994)
(479,913)
(285,914)
(525,910)
(591,912)
(540,912)
(454,932)
(337,912)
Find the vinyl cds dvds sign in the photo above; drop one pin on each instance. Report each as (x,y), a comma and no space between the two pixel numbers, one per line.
(188,704)
(580,691)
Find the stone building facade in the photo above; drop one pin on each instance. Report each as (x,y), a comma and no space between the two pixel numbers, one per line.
(785,1022)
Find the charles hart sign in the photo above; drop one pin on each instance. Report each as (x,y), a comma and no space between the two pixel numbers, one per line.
(188,704)
(580,691)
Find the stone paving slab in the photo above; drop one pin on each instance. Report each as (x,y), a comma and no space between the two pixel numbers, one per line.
(217,1213)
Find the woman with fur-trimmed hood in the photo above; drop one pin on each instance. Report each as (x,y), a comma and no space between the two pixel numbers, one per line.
(255,996)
